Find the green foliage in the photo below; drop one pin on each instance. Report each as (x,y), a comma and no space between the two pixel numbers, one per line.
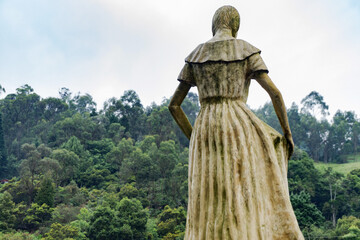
(167,157)
(302,174)
(314,102)
(19,236)
(337,204)
(151,229)
(132,218)
(61,232)
(129,191)
(171,222)
(128,111)
(141,166)
(323,141)
(100,147)
(46,193)
(108,165)
(65,214)
(53,107)
(68,164)
(83,127)
(95,177)
(178,185)
(74,145)
(36,215)
(102,224)
(7,212)
(3,153)
(160,122)
(71,195)
(116,132)
(348,227)
(306,212)
(83,222)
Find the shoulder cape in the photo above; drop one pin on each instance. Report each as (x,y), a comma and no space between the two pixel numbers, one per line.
(227,51)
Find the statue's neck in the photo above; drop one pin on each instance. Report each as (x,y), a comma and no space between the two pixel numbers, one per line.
(222,34)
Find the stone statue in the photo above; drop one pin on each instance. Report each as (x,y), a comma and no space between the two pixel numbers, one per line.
(237,164)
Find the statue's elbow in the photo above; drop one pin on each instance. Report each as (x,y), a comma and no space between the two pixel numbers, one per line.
(172,108)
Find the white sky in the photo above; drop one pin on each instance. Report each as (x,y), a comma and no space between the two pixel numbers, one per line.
(103,47)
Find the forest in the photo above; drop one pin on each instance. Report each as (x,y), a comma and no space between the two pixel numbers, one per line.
(72,170)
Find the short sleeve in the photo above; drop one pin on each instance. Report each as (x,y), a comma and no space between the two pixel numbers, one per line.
(186,75)
(256,63)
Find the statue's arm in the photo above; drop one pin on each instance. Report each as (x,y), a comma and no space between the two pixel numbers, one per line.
(264,80)
(177,112)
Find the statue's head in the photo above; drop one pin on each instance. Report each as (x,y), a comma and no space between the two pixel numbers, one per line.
(226,17)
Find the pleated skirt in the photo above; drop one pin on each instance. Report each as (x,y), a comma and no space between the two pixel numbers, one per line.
(237,177)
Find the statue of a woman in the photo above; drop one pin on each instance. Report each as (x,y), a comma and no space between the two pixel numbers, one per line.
(237,164)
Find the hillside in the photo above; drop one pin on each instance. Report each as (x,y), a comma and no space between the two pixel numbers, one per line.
(74,171)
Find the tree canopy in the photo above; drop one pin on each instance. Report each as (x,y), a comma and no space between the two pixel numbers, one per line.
(76,171)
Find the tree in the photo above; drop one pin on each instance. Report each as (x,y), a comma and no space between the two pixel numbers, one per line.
(132,219)
(314,104)
(7,212)
(161,123)
(114,159)
(84,104)
(3,153)
(302,173)
(3,160)
(133,114)
(68,162)
(167,157)
(356,136)
(128,111)
(141,166)
(297,129)
(348,227)
(24,90)
(172,222)
(53,107)
(100,147)
(65,214)
(30,167)
(351,190)
(95,177)
(83,222)
(116,132)
(343,135)
(21,112)
(333,205)
(303,176)
(65,95)
(85,128)
(60,232)
(179,185)
(307,214)
(36,215)
(316,135)
(46,193)
(1,89)
(74,145)
(102,224)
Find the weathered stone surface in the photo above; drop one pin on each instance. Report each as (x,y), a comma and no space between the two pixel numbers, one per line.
(237,164)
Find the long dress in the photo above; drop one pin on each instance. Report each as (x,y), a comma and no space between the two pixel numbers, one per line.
(237,164)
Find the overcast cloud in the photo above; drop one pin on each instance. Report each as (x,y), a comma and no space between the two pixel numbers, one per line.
(103,47)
